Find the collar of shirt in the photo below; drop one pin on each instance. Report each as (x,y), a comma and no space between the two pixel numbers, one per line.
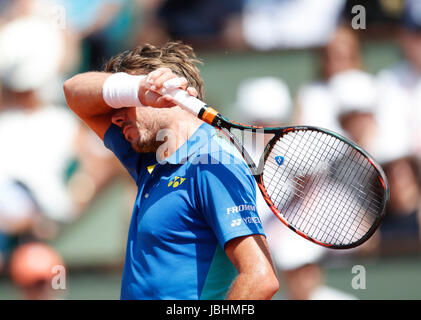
(198,143)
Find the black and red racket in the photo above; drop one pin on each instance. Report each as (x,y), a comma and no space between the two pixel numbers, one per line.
(318,183)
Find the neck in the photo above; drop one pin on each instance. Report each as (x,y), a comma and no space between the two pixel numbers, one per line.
(178,131)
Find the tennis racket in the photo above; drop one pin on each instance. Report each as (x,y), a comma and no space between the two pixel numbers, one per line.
(319,184)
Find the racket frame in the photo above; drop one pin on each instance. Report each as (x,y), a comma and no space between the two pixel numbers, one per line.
(225,125)
(214,118)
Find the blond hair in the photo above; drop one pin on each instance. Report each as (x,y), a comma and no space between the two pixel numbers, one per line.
(180,58)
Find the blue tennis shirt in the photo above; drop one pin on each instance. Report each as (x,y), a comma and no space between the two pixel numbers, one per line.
(187,208)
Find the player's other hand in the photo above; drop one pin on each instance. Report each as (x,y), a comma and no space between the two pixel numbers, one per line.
(153,87)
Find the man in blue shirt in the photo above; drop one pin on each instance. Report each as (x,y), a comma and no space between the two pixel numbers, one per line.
(195,232)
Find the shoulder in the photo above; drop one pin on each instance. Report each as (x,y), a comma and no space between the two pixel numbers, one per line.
(220,159)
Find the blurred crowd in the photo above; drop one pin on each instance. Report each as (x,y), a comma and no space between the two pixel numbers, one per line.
(52,167)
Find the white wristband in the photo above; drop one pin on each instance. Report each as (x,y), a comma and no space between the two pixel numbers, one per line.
(121,90)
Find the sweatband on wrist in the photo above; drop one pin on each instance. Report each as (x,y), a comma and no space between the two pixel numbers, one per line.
(121,90)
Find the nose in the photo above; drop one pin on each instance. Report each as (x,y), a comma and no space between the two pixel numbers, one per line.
(119,118)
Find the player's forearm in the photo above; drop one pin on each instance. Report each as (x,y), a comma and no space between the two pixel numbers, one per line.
(83,94)
(253,287)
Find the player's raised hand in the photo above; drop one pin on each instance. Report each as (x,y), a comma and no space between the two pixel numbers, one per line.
(153,88)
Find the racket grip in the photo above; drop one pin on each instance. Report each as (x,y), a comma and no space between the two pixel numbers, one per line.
(186,101)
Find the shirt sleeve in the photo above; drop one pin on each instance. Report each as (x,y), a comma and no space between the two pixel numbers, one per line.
(227,197)
(130,159)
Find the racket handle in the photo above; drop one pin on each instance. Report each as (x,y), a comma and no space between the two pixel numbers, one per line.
(192,104)
(186,101)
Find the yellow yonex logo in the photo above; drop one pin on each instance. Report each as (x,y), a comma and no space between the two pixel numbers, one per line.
(176,182)
(151,168)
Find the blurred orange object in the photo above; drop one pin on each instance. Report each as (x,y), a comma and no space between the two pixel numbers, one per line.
(32,263)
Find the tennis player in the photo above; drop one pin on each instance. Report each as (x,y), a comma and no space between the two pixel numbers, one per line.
(195,232)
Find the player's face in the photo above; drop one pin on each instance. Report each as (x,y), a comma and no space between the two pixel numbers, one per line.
(140,126)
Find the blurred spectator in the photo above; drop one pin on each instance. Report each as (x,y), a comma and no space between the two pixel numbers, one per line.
(400,87)
(47,159)
(264,101)
(54,20)
(24,66)
(100,26)
(201,23)
(355,95)
(290,24)
(20,71)
(298,262)
(360,117)
(33,268)
(316,102)
(12,9)
(400,229)
(386,123)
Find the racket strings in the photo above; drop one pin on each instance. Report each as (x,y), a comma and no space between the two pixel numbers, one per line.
(346,204)
(324,187)
(337,225)
(323,223)
(295,166)
(352,207)
(343,219)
